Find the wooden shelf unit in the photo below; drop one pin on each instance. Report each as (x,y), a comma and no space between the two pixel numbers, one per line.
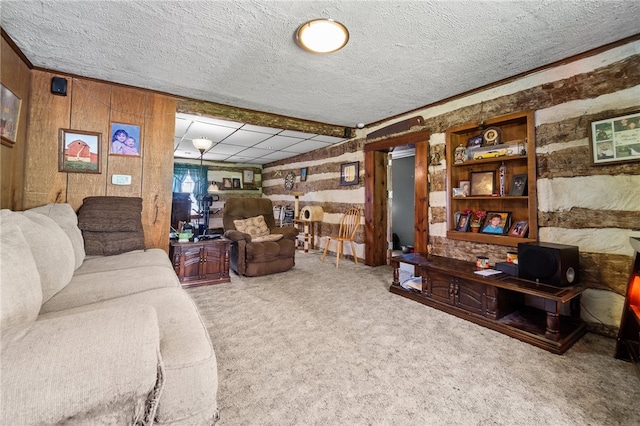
(496,302)
(203,263)
(517,133)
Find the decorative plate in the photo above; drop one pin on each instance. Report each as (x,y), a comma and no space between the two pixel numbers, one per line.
(491,136)
(289,180)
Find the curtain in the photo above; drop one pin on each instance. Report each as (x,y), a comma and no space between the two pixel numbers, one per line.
(198,174)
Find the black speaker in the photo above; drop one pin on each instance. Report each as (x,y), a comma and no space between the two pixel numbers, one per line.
(59,86)
(554,264)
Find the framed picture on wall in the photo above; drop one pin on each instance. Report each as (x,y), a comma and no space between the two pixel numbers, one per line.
(615,140)
(79,151)
(303,174)
(248,179)
(236,183)
(9,115)
(349,173)
(125,140)
(227,183)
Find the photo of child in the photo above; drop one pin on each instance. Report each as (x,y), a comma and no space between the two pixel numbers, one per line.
(495,223)
(125,139)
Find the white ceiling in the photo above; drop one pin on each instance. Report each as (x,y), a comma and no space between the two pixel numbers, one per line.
(242,143)
(401,55)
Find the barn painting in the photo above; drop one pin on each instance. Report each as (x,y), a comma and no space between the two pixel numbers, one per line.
(79,151)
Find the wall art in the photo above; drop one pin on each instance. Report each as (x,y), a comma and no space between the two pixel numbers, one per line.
(615,140)
(125,140)
(9,115)
(79,151)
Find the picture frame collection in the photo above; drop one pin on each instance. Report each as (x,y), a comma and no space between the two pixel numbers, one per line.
(494,223)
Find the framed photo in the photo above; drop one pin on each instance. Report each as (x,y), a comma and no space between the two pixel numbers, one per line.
(236,183)
(248,179)
(303,174)
(9,115)
(519,229)
(349,173)
(465,186)
(79,151)
(125,140)
(462,223)
(615,140)
(483,183)
(518,185)
(227,183)
(496,223)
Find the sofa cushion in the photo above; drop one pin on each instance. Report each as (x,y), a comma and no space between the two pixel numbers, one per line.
(270,237)
(96,367)
(20,291)
(254,226)
(50,247)
(189,362)
(131,259)
(96,287)
(67,219)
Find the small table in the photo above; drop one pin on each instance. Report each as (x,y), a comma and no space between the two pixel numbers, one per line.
(203,263)
(309,233)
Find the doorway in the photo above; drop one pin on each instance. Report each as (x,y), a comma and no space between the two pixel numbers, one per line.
(378,243)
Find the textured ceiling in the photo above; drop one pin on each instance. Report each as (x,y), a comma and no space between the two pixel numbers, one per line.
(401,55)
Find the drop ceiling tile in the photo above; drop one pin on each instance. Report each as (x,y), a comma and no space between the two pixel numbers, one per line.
(215,156)
(181,126)
(294,134)
(278,142)
(209,131)
(279,155)
(261,129)
(305,146)
(217,122)
(245,138)
(226,149)
(327,139)
(254,152)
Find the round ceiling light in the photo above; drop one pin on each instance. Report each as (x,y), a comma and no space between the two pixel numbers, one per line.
(322,36)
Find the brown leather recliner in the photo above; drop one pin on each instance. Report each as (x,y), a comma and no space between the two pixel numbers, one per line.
(252,258)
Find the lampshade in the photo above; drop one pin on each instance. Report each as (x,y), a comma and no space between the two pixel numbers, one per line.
(213,187)
(202,144)
(322,35)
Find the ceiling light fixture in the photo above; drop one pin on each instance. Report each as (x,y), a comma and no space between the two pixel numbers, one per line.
(202,144)
(322,36)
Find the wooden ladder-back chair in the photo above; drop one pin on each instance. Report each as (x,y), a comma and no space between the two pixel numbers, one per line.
(348,227)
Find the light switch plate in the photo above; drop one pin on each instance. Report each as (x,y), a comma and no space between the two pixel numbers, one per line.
(121,179)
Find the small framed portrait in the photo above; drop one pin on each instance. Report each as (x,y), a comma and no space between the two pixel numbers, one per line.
(519,229)
(462,223)
(303,174)
(227,183)
(465,186)
(79,151)
(615,140)
(482,183)
(496,223)
(457,192)
(492,136)
(236,183)
(518,185)
(9,115)
(349,173)
(125,140)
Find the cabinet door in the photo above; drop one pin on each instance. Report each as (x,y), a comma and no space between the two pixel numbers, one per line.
(191,259)
(213,262)
(440,287)
(469,296)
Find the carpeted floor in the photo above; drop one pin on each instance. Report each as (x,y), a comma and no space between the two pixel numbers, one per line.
(324,346)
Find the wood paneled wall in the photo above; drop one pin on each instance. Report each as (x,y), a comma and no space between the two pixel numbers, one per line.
(15,76)
(91,106)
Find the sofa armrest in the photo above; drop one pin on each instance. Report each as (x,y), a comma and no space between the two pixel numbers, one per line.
(94,367)
(289,232)
(236,236)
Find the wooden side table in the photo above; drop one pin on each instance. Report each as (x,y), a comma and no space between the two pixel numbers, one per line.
(308,229)
(202,263)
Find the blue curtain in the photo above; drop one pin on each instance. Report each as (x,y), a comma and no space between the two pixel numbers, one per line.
(198,174)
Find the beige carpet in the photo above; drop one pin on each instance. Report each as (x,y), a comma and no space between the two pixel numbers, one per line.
(324,346)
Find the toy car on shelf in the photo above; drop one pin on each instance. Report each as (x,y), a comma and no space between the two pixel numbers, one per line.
(494,153)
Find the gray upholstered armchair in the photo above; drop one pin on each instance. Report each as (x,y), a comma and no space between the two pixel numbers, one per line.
(258,247)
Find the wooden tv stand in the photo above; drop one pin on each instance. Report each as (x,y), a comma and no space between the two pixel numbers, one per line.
(496,302)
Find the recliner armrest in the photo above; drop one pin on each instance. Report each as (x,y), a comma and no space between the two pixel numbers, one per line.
(236,236)
(289,232)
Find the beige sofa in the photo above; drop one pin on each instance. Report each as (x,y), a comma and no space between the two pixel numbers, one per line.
(96,340)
